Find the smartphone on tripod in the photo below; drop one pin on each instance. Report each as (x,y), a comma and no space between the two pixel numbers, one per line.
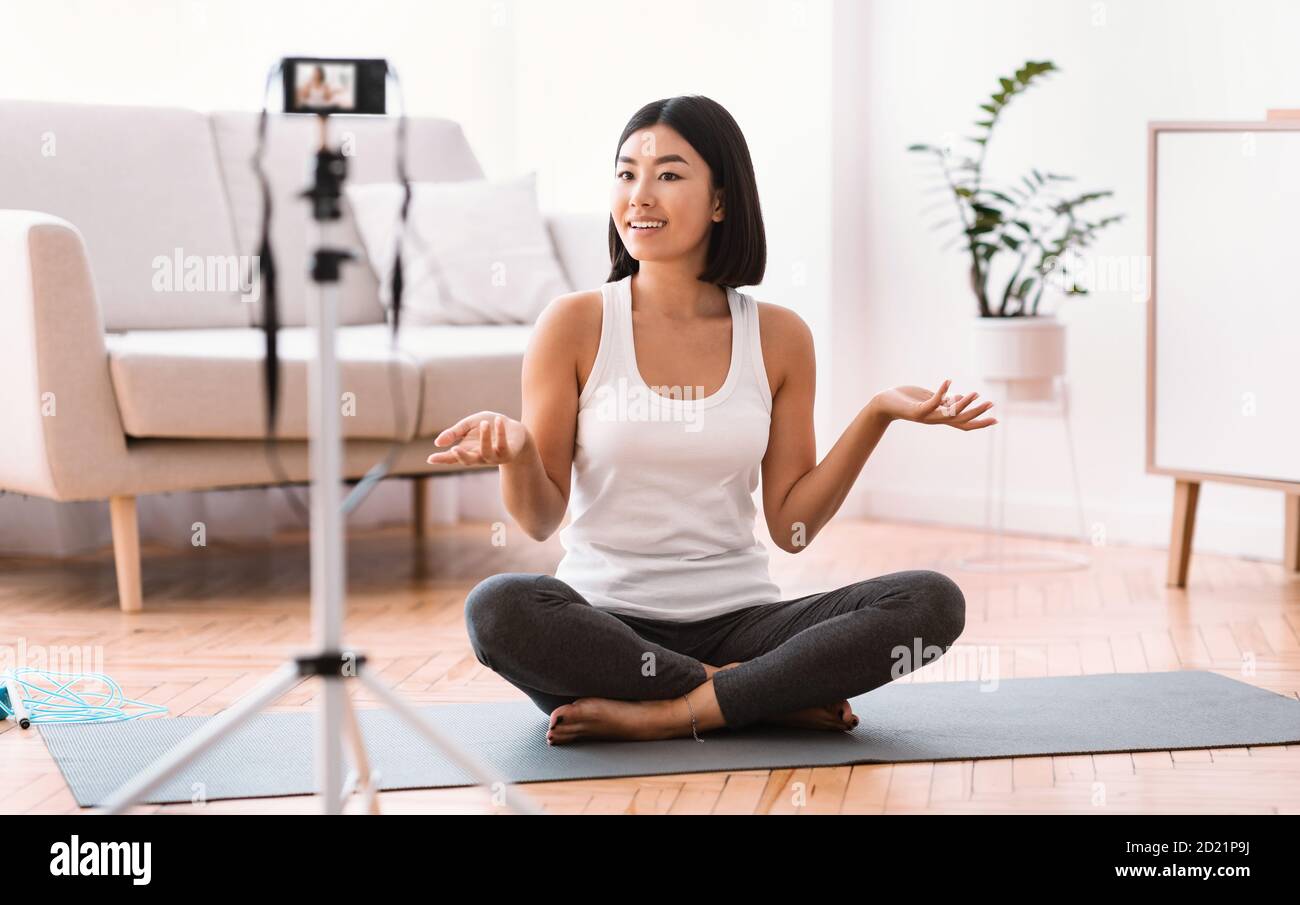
(324,86)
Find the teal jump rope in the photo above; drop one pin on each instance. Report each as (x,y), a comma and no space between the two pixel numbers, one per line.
(38,696)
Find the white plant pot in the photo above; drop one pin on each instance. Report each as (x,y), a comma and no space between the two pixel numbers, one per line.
(1025,353)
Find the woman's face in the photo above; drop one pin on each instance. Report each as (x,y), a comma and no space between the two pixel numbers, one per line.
(658,178)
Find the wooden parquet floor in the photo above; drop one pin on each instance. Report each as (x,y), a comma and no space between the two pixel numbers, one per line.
(219,619)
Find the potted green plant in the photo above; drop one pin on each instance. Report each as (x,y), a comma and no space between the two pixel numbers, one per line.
(1031,225)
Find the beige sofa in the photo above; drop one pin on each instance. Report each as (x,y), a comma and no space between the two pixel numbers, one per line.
(117,383)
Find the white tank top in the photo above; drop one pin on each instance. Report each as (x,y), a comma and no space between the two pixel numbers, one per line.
(662,498)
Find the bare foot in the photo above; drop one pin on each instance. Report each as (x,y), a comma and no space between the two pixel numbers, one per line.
(835,716)
(607,718)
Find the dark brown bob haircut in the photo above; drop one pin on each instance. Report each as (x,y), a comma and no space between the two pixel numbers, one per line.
(737,245)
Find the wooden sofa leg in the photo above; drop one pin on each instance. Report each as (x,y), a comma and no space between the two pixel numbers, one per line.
(1184,526)
(1291,538)
(420,505)
(126,552)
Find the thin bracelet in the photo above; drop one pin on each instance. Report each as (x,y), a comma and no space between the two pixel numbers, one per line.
(692,712)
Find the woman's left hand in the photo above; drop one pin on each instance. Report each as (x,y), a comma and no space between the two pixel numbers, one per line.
(920,405)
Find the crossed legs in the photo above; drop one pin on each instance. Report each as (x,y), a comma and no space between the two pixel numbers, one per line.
(605,675)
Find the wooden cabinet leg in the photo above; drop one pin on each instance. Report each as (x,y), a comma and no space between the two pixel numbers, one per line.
(420,505)
(1180,538)
(1291,538)
(126,552)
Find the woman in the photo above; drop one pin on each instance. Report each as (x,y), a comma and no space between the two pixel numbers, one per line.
(664,391)
(316,91)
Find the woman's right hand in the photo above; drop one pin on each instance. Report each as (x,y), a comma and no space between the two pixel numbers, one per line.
(483,438)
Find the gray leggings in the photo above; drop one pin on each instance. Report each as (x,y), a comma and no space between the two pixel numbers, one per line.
(544,638)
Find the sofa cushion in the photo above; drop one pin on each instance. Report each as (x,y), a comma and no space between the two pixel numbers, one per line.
(475,251)
(436,152)
(581,243)
(208,384)
(139,183)
(466,369)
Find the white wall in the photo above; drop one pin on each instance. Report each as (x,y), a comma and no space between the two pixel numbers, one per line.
(908,72)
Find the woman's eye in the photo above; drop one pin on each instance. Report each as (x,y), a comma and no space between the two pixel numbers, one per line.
(622,173)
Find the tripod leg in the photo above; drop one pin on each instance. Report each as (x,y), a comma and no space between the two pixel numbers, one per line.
(367,780)
(209,734)
(349,785)
(329,744)
(514,798)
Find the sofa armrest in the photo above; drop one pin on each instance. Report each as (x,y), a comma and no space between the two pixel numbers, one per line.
(63,436)
(582,246)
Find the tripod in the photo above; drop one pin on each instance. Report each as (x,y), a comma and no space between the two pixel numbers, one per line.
(330,662)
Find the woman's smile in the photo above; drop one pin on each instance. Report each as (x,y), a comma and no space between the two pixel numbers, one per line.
(647,226)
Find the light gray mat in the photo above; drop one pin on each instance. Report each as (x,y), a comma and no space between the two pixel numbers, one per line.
(910,721)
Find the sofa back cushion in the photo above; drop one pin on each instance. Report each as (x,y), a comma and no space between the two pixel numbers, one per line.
(436,152)
(143,187)
(475,252)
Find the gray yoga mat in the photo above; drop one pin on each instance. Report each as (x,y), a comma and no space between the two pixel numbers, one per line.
(915,721)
